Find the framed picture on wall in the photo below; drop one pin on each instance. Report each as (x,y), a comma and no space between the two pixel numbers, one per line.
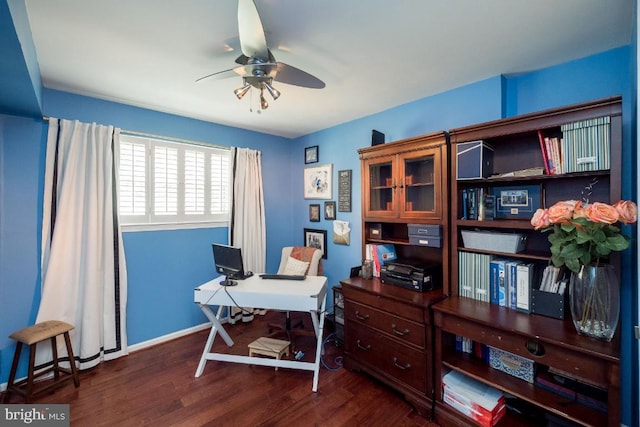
(318,182)
(329,210)
(311,154)
(316,239)
(314,213)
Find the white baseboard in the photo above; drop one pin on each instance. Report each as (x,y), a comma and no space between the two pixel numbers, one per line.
(169,337)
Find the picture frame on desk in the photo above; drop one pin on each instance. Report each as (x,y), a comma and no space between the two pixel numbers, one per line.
(517,202)
(316,239)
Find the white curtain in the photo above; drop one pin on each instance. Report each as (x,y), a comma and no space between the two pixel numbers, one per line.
(84,279)
(247,229)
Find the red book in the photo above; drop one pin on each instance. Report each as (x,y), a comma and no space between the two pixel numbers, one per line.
(543,150)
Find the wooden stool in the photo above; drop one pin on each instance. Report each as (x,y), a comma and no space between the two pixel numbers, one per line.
(269,347)
(31,336)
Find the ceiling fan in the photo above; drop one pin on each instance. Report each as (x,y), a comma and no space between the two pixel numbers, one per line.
(257,65)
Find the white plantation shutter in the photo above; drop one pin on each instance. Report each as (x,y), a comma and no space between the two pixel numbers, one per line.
(194,182)
(163,182)
(133,191)
(220,184)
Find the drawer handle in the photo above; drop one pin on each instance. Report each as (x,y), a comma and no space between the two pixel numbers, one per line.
(405,367)
(361,347)
(365,317)
(397,332)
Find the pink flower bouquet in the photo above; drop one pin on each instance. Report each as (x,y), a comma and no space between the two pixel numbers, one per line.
(582,234)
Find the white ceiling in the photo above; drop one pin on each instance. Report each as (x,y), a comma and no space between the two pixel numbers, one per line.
(372,54)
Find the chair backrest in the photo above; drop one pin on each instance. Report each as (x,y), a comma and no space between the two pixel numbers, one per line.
(311,255)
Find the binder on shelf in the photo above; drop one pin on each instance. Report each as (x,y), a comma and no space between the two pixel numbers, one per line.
(524,278)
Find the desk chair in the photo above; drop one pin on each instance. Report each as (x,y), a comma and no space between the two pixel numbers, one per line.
(297,260)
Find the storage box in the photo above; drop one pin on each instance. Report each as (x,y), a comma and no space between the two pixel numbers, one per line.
(425,235)
(511,364)
(474,160)
(493,241)
(549,304)
(425,230)
(432,242)
(375,231)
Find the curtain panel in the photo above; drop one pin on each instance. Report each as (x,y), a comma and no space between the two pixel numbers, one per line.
(247,229)
(84,280)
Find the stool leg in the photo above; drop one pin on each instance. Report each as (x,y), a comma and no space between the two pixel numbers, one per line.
(54,353)
(72,361)
(32,364)
(14,368)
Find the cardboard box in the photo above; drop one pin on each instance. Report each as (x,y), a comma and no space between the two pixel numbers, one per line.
(474,160)
(511,364)
(425,235)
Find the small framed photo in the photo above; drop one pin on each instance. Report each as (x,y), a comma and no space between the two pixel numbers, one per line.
(330,210)
(314,213)
(519,202)
(316,239)
(311,155)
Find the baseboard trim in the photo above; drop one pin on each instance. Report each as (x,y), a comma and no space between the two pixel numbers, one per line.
(172,336)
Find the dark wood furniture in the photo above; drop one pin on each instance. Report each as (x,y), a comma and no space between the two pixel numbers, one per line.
(405,182)
(388,334)
(388,329)
(547,341)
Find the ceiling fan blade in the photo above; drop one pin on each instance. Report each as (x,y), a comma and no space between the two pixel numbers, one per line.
(233,72)
(253,42)
(294,76)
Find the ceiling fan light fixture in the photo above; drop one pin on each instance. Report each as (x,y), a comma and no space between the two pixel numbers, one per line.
(242,91)
(263,102)
(275,93)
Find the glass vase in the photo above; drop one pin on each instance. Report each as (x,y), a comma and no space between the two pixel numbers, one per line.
(594,298)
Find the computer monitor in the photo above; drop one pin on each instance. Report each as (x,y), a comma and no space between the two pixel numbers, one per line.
(228,261)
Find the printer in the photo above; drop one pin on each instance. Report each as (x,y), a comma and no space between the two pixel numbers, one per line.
(411,274)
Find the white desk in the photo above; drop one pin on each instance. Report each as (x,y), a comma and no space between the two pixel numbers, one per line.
(289,295)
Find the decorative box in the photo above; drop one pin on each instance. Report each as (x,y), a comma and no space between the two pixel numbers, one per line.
(425,235)
(511,364)
(474,160)
(375,231)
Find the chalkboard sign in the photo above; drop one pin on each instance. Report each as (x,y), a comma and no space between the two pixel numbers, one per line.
(344,191)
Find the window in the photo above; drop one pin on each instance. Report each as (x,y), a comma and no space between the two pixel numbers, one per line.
(164,182)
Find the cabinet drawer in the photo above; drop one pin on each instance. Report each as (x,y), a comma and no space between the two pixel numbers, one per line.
(403,363)
(399,327)
(410,312)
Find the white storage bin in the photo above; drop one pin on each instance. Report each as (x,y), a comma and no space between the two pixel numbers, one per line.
(492,241)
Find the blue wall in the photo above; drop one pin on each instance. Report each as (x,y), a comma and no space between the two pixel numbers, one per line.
(164,266)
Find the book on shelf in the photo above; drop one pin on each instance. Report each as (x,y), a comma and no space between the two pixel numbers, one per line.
(543,151)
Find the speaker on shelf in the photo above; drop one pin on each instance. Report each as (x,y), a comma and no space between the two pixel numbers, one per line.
(377,138)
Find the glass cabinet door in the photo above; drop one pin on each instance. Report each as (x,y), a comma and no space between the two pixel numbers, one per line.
(382,186)
(420,184)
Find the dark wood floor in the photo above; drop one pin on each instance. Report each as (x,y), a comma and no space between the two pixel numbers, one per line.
(156,386)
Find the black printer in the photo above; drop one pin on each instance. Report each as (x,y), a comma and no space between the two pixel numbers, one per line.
(411,274)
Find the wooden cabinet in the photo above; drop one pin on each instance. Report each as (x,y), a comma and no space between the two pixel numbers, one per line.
(404,180)
(515,144)
(388,334)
